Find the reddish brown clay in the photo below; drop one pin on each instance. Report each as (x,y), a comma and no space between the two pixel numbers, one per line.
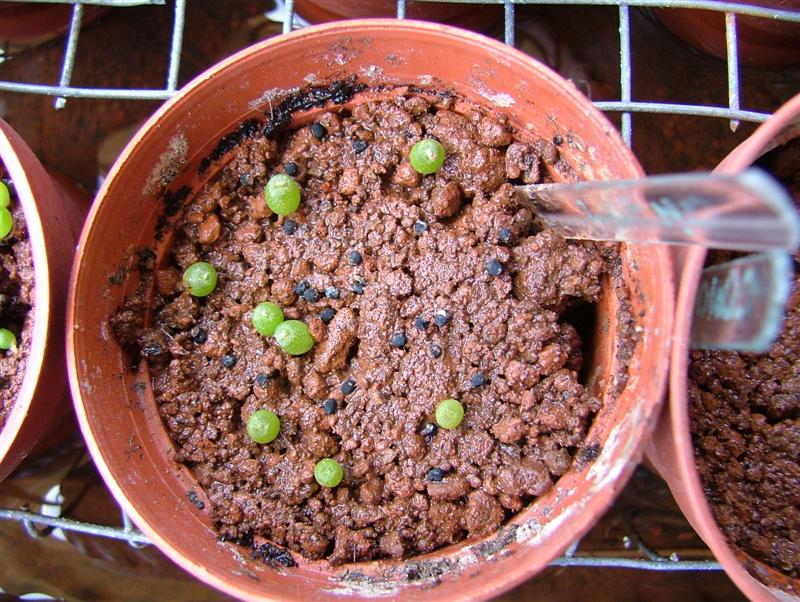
(475,17)
(671,451)
(763,42)
(30,21)
(116,409)
(53,215)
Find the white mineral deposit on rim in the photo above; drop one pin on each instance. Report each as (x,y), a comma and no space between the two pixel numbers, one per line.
(272,96)
(607,467)
(170,163)
(501,99)
(371,71)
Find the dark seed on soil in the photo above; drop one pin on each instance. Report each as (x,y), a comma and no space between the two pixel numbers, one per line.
(477,380)
(429,430)
(326,315)
(291,168)
(290,226)
(435,350)
(398,339)
(229,360)
(442,317)
(329,406)
(311,295)
(494,267)
(348,386)
(300,287)
(435,475)
(318,130)
(359,146)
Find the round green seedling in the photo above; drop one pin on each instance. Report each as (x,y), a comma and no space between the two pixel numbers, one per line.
(263,426)
(6,222)
(427,156)
(5,196)
(328,472)
(282,194)
(8,340)
(200,279)
(294,337)
(449,413)
(266,318)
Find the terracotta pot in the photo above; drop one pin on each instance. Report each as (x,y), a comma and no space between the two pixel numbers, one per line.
(28,21)
(53,216)
(671,451)
(763,42)
(475,17)
(120,420)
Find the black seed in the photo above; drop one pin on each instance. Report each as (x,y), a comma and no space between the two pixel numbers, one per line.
(355,258)
(359,146)
(558,140)
(494,267)
(300,287)
(311,295)
(152,350)
(348,386)
(398,339)
(477,380)
(318,130)
(195,499)
(244,180)
(442,317)
(331,292)
(229,360)
(429,430)
(326,315)
(291,168)
(199,335)
(329,406)
(435,475)
(358,288)
(435,350)
(262,379)
(504,236)
(290,226)
(421,323)
(420,226)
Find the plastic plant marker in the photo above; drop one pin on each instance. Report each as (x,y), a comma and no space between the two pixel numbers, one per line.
(740,304)
(748,211)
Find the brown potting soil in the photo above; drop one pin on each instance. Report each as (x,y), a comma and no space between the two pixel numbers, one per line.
(16,303)
(745,417)
(415,289)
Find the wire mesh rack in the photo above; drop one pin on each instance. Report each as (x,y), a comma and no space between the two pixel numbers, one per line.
(639,555)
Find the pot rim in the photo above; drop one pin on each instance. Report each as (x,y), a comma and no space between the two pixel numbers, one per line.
(779,129)
(18,173)
(581,523)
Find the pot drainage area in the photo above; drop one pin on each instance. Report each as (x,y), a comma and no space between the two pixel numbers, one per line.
(77,89)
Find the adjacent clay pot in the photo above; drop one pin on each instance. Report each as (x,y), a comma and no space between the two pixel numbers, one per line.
(671,452)
(465,15)
(30,21)
(119,417)
(763,42)
(53,216)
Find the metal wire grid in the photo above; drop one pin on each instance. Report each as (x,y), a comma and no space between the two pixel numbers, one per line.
(651,560)
(625,105)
